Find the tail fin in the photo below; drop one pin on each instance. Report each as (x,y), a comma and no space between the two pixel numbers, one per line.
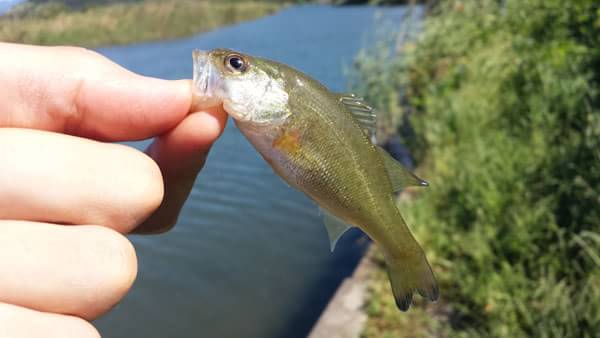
(408,274)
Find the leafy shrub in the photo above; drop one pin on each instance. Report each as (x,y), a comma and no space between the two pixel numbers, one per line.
(504,99)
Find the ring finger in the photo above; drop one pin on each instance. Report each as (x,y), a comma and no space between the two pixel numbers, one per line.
(19,322)
(79,270)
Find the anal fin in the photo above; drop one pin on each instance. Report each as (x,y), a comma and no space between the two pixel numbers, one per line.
(335,227)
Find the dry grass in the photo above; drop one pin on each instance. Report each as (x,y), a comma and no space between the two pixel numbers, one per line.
(130,22)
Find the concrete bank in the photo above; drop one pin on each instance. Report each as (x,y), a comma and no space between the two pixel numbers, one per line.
(344,316)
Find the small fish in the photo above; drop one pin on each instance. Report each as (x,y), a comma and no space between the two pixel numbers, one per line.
(320,143)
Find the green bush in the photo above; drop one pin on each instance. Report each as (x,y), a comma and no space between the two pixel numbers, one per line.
(504,100)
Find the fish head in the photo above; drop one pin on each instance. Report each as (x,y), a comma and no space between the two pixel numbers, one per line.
(252,90)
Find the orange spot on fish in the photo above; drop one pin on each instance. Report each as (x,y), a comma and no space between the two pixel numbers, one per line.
(288,141)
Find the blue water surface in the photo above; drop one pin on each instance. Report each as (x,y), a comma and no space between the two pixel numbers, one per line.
(249,256)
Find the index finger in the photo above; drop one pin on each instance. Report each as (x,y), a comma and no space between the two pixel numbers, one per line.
(77,91)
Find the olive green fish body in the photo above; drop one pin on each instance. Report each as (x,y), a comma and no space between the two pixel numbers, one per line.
(315,143)
(323,152)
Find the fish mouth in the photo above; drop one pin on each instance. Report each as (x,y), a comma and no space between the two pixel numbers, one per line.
(205,81)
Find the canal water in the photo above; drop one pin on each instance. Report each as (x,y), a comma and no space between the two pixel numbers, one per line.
(249,257)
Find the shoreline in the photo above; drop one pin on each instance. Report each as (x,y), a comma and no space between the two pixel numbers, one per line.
(345,316)
(127,23)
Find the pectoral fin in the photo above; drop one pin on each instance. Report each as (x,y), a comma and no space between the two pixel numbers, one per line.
(399,175)
(362,113)
(335,227)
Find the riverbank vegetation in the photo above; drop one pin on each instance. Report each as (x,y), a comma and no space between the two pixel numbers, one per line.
(108,22)
(503,99)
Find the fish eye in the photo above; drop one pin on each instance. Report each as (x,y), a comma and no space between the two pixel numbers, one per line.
(235,63)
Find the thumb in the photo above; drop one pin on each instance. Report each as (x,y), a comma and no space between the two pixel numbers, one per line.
(181,154)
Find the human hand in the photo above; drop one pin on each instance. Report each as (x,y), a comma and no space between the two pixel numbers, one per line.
(65,197)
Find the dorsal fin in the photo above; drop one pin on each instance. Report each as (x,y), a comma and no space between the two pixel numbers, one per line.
(399,175)
(362,113)
(335,227)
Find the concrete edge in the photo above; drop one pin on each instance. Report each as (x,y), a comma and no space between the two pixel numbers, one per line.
(344,316)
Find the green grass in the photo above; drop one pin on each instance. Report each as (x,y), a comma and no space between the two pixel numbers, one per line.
(505,106)
(120,23)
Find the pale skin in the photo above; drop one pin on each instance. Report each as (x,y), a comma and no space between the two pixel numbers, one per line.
(67,195)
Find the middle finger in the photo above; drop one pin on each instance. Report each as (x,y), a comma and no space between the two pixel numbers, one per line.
(57,178)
